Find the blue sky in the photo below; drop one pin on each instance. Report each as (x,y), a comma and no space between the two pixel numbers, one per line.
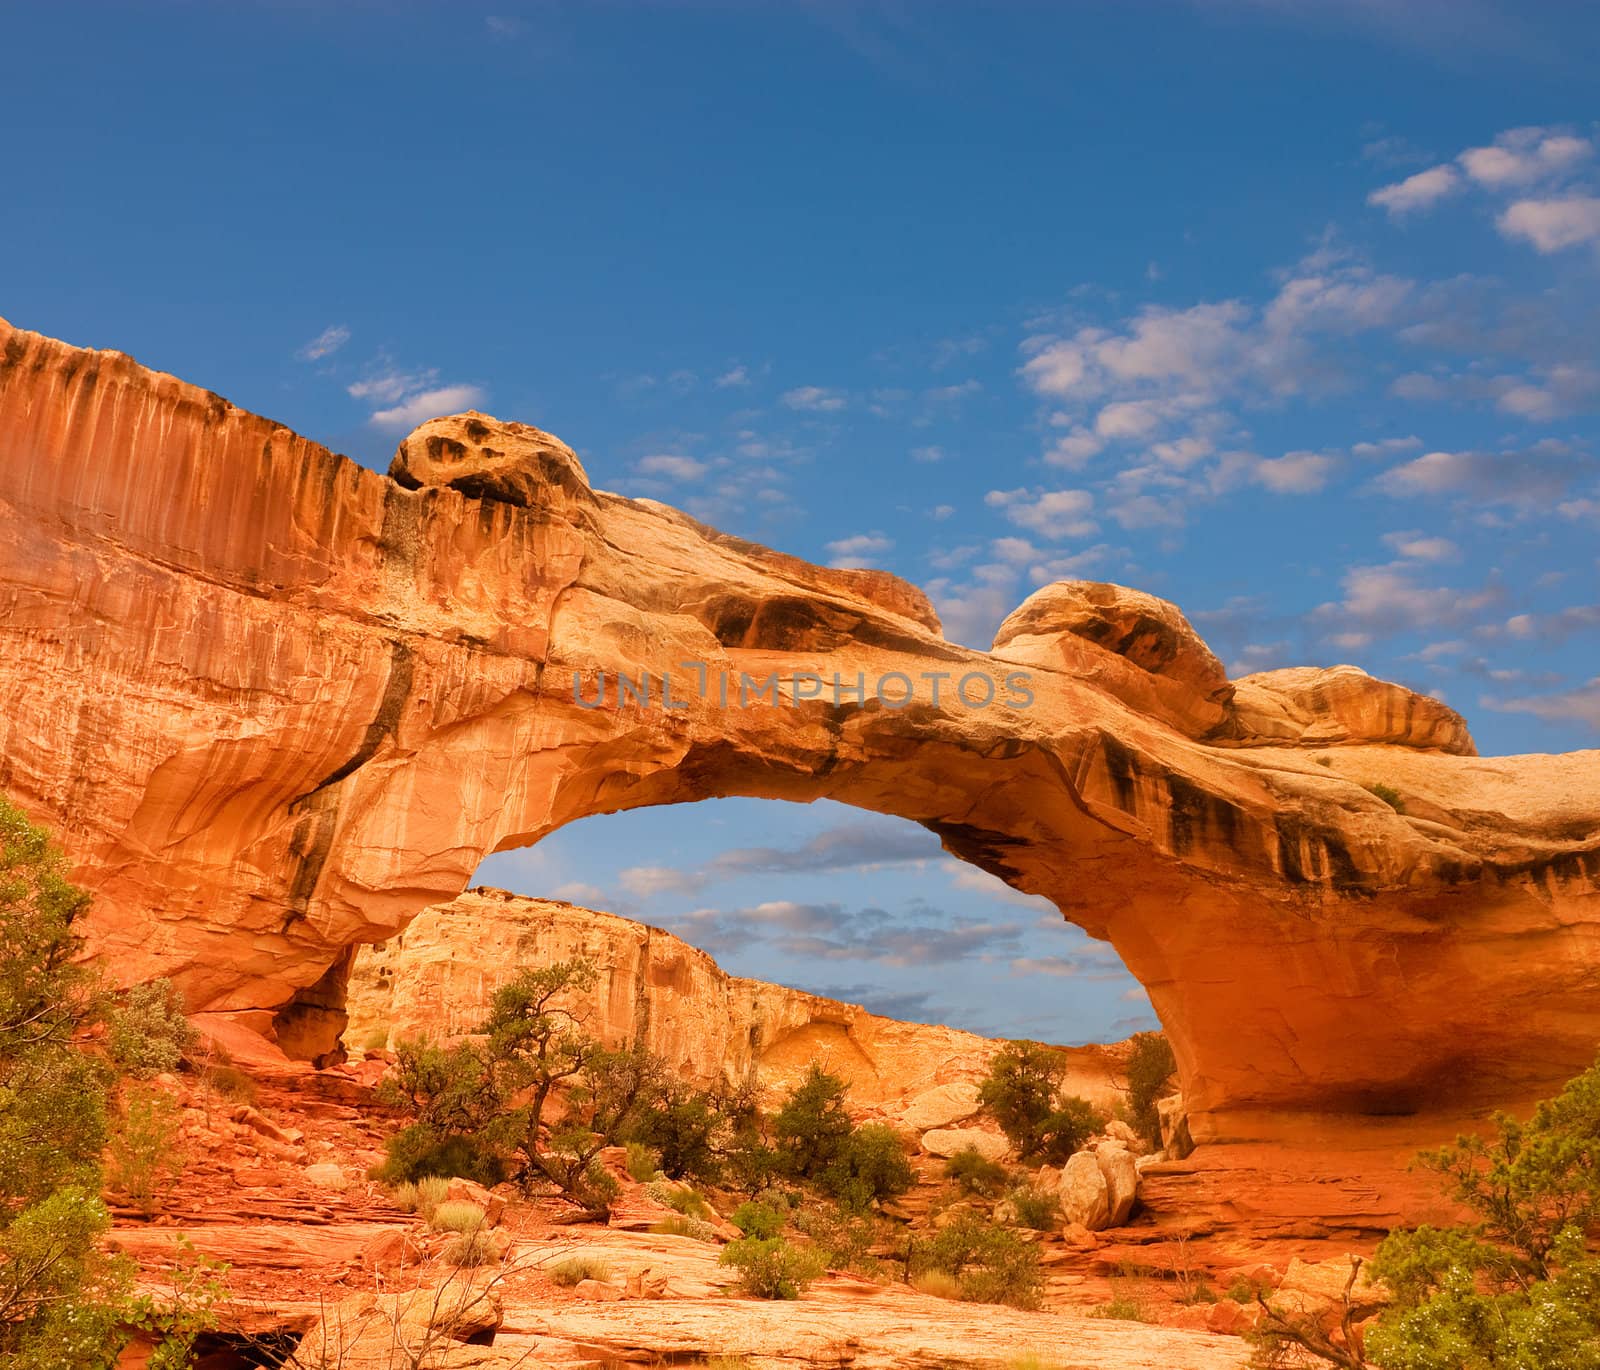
(1287,312)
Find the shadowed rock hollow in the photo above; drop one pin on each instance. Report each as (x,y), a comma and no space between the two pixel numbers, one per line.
(275,704)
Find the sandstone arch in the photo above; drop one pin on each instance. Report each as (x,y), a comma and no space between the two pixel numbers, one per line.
(277,703)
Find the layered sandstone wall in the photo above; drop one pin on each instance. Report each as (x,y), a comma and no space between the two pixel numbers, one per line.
(438,975)
(276,705)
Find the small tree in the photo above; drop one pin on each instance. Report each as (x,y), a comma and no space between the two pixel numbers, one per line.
(64,1300)
(1022,1092)
(535,1096)
(1151,1066)
(1519,1285)
(148,1033)
(812,1127)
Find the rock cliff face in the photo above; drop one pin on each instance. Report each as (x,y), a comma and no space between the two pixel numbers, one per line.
(276,705)
(438,975)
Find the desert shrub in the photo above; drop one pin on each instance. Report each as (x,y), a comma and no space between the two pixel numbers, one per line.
(377,1039)
(975,1173)
(404,1196)
(938,1283)
(757,1219)
(1387,793)
(812,1127)
(147,1033)
(1151,1066)
(1247,1290)
(770,1268)
(643,1164)
(681,1225)
(1022,1092)
(418,1151)
(843,1234)
(231,1083)
(871,1165)
(690,1202)
(574,1269)
(144,1158)
(1035,1207)
(456,1215)
(1124,1307)
(467,1250)
(430,1192)
(991,1263)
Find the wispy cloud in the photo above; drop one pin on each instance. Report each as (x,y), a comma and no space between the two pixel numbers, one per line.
(814,398)
(325,344)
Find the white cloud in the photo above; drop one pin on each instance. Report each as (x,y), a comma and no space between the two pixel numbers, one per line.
(325,344)
(1074,449)
(854,553)
(1553,225)
(428,404)
(1521,156)
(1295,473)
(814,398)
(576,892)
(1421,191)
(1545,471)
(644,881)
(674,467)
(1422,547)
(1581,705)
(1384,600)
(1053,514)
(1386,447)
(737,375)
(927,454)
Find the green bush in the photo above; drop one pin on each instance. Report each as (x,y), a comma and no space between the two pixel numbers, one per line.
(870,1166)
(843,1234)
(1035,1207)
(975,1173)
(1518,1285)
(65,1300)
(147,1033)
(685,1129)
(1151,1066)
(1123,1307)
(1022,1092)
(991,1263)
(1387,793)
(770,1268)
(756,1219)
(418,1151)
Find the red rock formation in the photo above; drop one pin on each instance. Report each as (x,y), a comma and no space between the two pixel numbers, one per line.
(276,704)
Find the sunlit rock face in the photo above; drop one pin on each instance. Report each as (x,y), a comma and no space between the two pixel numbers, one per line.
(275,704)
(437,978)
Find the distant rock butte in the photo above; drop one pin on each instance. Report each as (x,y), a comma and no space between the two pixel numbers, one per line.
(276,704)
(437,977)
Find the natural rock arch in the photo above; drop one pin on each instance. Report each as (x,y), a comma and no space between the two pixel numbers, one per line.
(277,703)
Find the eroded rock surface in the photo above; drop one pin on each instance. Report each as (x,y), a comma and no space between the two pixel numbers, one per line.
(276,704)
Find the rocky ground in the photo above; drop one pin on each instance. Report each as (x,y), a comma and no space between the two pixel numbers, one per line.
(323,1265)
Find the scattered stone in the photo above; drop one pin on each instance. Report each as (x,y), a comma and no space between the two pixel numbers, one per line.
(946,1141)
(597,1291)
(1084,1194)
